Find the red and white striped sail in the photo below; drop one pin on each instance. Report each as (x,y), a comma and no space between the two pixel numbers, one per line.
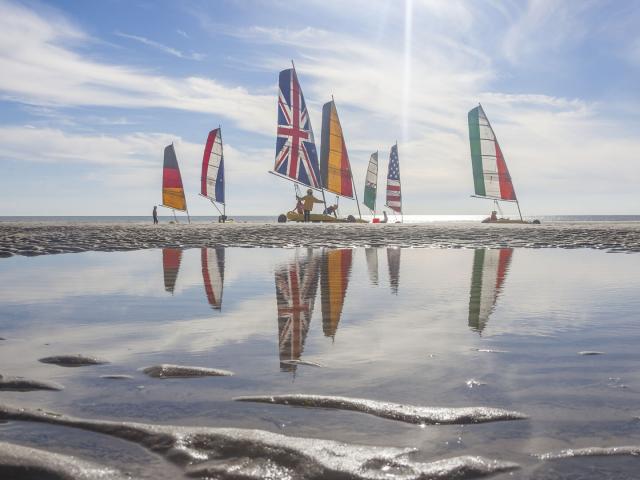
(212,261)
(212,176)
(394,192)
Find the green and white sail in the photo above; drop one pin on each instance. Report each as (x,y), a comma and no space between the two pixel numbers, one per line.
(371,183)
(491,177)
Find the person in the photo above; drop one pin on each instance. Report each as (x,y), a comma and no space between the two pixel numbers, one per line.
(299,207)
(494,216)
(308,200)
(385,219)
(155,214)
(331,210)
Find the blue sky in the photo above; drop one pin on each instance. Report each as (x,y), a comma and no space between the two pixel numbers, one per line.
(91,92)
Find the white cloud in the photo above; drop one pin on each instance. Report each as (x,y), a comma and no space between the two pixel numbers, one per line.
(164,48)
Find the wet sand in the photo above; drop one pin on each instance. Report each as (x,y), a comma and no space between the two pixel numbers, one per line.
(29,239)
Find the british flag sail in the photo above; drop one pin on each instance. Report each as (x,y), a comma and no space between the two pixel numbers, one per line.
(296,155)
(212,176)
(394,194)
(296,286)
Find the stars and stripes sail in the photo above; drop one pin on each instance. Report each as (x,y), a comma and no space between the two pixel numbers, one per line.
(394,194)
(296,155)
(490,268)
(172,189)
(334,159)
(212,262)
(336,270)
(171,258)
(212,176)
(371,183)
(491,177)
(296,287)
(393,260)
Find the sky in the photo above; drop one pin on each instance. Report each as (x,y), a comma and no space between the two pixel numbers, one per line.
(92,92)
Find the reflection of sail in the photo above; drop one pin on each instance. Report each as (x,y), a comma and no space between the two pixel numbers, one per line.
(296,286)
(393,259)
(336,268)
(489,271)
(170,265)
(372,264)
(212,260)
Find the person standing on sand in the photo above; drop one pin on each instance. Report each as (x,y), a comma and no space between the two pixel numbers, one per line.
(308,200)
(155,215)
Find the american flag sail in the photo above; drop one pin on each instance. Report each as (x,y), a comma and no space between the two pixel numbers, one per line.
(296,286)
(394,195)
(393,259)
(296,155)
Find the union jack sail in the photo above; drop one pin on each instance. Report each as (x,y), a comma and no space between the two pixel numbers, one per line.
(296,286)
(394,195)
(296,155)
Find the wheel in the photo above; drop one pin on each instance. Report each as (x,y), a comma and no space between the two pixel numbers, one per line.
(351,219)
(282,218)
(536,222)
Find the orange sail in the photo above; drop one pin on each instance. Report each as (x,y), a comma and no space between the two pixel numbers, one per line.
(171,258)
(172,189)
(334,159)
(336,269)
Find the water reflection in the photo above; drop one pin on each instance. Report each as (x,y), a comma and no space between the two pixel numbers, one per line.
(336,269)
(171,258)
(296,286)
(371,254)
(487,280)
(393,260)
(212,260)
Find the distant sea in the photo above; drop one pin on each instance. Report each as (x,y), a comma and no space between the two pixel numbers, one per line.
(272,218)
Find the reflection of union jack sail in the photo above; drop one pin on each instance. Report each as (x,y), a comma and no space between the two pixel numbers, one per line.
(171,258)
(172,189)
(212,180)
(336,269)
(296,155)
(212,260)
(296,286)
(490,268)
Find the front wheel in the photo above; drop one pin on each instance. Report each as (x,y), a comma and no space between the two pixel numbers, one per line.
(351,219)
(282,218)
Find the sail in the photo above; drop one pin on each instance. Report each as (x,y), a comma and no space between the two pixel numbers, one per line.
(212,177)
(371,183)
(371,253)
(172,190)
(490,173)
(336,269)
(393,260)
(490,268)
(171,258)
(334,159)
(394,194)
(296,287)
(296,155)
(212,261)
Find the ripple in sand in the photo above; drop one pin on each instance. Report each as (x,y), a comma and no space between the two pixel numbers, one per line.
(20,384)
(19,462)
(393,411)
(73,360)
(632,450)
(231,453)
(179,371)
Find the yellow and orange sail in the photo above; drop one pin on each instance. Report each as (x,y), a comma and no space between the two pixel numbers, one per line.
(336,269)
(334,159)
(172,190)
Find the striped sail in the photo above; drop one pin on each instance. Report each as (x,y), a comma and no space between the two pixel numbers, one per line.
(171,258)
(172,189)
(296,287)
(393,260)
(490,173)
(212,262)
(394,192)
(371,254)
(212,176)
(371,183)
(296,155)
(490,268)
(336,269)
(334,159)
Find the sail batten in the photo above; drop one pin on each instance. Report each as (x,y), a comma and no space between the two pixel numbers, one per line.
(491,178)
(296,155)
(212,180)
(334,159)
(172,188)
(371,183)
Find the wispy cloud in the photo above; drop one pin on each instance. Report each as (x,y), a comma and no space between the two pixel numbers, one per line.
(182,33)
(163,48)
